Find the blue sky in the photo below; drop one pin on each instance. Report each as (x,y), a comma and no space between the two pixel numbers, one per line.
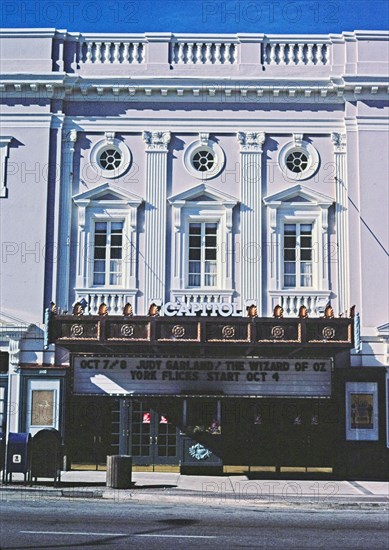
(201,16)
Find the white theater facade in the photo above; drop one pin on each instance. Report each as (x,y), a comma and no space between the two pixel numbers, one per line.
(204,220)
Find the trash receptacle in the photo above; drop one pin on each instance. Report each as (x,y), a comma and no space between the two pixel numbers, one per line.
(46,454)
(119,471)
(18,451)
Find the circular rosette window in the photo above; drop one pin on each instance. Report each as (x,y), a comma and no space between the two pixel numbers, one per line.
(110,160)
(204,160)
(298,162)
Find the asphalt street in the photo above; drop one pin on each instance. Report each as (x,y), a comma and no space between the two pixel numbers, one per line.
(71,523)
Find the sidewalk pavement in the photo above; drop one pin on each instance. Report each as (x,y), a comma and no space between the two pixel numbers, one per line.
(163,487)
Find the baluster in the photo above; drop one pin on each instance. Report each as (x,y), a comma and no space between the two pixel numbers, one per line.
(226,55)
(89,52)
(200,54)
(135,53)
(232,53)
(289,54)
(208,53)
(287,305)
(218,59)
(126,52)
(110,50)
(98,52)
(181,52)
(142,52)
(324,52)
(116,53)
(319,54)
(300,54)
(190,53)
(310,54)
(314,306)
(103,55)
(281,54)
(273,54)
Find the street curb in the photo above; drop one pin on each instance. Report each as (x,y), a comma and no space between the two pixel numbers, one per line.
(143,496)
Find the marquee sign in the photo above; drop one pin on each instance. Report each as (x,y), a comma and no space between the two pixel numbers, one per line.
(127,375)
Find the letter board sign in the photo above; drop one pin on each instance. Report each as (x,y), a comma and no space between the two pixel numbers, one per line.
(126,375)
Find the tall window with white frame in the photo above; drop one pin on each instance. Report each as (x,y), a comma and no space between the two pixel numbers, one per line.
(297,251)
(202,254)
(108,253)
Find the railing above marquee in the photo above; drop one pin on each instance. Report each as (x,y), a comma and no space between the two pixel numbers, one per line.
(79,332)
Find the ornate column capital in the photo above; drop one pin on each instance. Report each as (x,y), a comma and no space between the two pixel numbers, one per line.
(157,141)
(69,139)
(251,141)
(339,141)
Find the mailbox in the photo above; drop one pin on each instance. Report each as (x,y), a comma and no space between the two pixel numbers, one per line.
(2,453)
(46,455)
(18,450)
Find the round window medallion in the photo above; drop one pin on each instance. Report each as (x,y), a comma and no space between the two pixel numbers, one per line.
(127,330)
(298,162)
(328,333)
(178,331)
(110,160)
(228,332)
(76,331)
(278,332)
(204,160)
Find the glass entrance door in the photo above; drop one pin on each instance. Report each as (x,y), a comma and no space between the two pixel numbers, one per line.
(152,435)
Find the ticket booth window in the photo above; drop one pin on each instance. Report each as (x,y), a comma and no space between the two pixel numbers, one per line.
(203,416)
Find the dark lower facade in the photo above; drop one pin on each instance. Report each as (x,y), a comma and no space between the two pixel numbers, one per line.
(200,395)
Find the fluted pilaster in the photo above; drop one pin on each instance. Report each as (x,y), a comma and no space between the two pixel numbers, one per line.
(341,220)
(155,216)
(65,218)
(251,216)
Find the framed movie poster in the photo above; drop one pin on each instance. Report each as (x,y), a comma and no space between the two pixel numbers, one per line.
(361,411)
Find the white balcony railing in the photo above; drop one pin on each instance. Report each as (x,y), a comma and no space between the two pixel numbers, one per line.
(291,301)
(186,52)
(112,52)
(201,296)
(295,53)
(114,300)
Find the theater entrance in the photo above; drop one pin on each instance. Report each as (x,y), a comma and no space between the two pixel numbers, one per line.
(150,432)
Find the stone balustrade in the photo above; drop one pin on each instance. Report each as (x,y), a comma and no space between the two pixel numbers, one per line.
(200,52)
(115,300)
(112,52)
(277,52)
(201,296)
(291,301)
